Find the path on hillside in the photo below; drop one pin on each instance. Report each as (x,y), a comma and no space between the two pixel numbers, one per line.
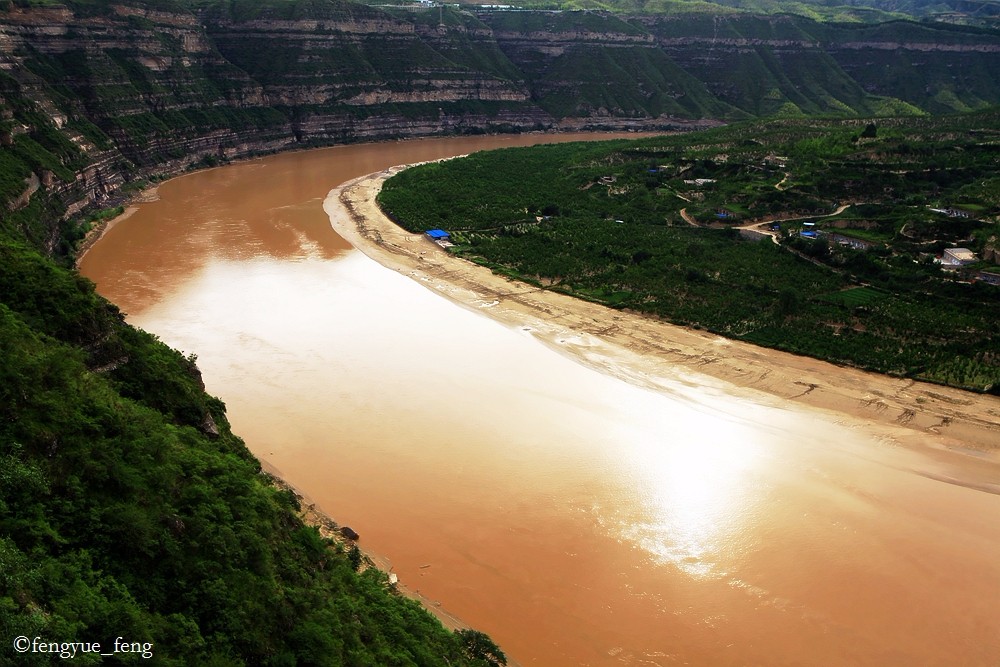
(773,234)
(688,219)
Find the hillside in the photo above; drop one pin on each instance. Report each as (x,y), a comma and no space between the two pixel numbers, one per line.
(128,509)
(985,13)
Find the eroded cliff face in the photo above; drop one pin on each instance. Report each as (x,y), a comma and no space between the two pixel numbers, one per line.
(121,62)
(122,92)
(98,96)
(597,66)
(129,91)
(774,64)
(353,59)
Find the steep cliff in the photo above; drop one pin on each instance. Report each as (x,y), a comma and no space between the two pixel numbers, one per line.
(101,97)
(786,64)
(350,71)
(581,64)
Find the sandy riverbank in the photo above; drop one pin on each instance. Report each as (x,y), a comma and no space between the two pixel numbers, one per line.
(146,195)
(664,356)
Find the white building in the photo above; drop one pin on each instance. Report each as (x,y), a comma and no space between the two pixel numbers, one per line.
(958,257)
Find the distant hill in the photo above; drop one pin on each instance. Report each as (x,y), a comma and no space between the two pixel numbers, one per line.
(985,13)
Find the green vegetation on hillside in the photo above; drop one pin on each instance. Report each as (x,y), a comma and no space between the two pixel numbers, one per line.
(128,508)
(860,211)
(201,75)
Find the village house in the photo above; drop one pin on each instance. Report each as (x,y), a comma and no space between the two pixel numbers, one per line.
(958,257)
(439,236)
(989,277)
(851,242)
(952,212)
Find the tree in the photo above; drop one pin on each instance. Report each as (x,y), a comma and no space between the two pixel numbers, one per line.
(788,303)
(480,648)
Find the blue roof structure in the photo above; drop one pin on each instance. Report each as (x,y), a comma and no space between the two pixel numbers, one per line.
(438,234)
(809,235)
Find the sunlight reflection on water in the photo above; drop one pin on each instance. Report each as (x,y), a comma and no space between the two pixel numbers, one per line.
(694,484)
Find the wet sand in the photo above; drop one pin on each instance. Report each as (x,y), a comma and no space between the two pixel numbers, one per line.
(642,350)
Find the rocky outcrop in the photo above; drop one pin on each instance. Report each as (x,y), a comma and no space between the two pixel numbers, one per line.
(31,185)
(344,127)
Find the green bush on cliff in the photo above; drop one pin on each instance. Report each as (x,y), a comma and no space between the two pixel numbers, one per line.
(13,171)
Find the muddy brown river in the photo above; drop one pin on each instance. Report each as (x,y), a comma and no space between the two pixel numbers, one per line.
(577,518)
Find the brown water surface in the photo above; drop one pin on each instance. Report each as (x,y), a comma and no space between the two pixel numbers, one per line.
(577,518)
